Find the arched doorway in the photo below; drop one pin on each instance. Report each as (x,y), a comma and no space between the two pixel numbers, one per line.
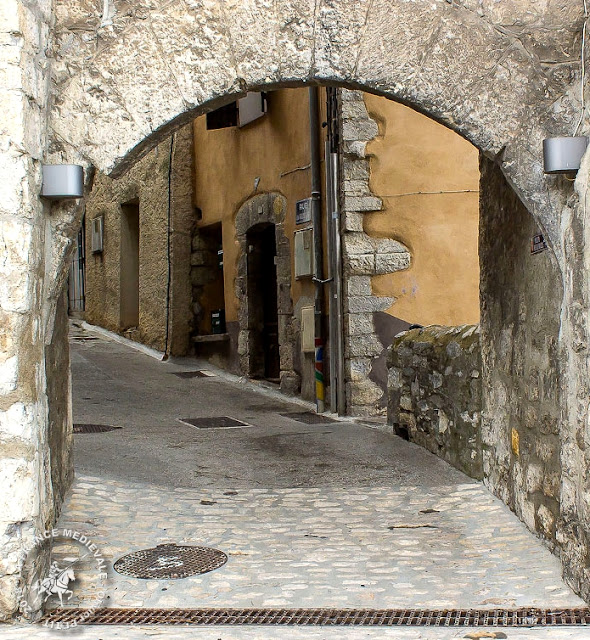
(263,288)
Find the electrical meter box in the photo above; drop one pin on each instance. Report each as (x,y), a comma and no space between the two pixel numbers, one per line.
(307,329)
(218,321)
(304,253)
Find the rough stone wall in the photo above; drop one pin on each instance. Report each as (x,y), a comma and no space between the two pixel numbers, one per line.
(183,220)
(573,527)
(520,323)
(59,392)
(147,183)
(435,385)
(435,394)
(363,257)
(31,281)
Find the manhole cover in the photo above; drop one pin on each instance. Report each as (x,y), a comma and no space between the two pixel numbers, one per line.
(93,428)
(216,422)
(308,417)
(193,374)
(170,561)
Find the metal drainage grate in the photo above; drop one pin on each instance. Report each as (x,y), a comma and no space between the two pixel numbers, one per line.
(343,617)
(216,422)
(309,417)
(193,374)
(170,561)
(93,428)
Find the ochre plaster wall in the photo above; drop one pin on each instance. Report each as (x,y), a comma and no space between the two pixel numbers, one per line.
(417,167)
(274,148)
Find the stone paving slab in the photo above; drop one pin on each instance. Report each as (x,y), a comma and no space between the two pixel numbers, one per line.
(359,547)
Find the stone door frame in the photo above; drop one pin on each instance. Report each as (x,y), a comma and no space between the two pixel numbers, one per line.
(266,208)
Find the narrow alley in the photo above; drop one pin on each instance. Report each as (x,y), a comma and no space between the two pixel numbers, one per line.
(337,514)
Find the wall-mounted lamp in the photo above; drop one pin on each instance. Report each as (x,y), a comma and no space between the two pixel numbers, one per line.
(62,181)
(563,155)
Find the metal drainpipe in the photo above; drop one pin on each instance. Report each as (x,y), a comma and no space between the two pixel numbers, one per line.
(336,337)
(316,218)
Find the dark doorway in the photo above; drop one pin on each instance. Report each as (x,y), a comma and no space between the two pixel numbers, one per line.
(263,316)
(129,265)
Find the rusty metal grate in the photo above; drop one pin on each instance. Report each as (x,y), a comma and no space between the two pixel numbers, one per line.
(215,422)
(526,617)
(170,561)
(93,428)
(309,417)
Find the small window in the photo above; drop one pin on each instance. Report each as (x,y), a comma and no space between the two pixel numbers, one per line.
(96,238)
(238,113)
(223,117)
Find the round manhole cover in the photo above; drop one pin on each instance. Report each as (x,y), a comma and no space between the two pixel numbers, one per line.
(170,561)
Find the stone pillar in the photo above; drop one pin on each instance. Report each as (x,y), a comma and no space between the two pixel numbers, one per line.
(363,258)
(26,503)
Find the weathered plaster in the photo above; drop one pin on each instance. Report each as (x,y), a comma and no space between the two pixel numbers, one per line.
(156,187)
(427,178)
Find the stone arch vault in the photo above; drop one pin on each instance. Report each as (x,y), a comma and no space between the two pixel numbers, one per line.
(101,90)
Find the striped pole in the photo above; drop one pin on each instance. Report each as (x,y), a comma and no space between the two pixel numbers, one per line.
(319,376)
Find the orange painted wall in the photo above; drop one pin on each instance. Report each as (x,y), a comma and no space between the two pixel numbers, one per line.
(274,148)
(428,179)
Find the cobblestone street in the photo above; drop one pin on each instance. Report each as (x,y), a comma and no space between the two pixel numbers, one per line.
(343,548)
(336,515)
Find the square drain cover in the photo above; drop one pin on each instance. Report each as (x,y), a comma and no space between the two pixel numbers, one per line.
(193,374)
(93,428)
(309,417)
(216,422)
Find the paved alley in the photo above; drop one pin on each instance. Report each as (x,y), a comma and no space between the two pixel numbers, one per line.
(327,515)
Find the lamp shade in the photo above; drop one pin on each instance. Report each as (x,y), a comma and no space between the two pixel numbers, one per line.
(563,155)
(63,181)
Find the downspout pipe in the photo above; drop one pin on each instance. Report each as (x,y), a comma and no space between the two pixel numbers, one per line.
(318,253)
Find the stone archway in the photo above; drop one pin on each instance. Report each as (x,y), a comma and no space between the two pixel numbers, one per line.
(266,209)
(110,87)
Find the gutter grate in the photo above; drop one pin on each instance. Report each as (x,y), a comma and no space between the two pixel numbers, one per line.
(525,617)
